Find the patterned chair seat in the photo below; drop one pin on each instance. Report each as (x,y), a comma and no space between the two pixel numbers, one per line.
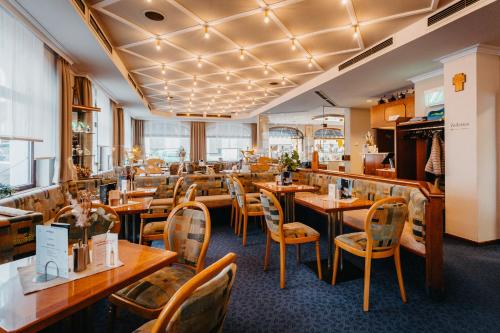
(296,230)
(155,290)
(154,228)
(254,208)
(356,240)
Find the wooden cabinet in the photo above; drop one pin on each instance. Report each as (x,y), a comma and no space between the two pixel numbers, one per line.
(372,162)
(386,173)
(380,114)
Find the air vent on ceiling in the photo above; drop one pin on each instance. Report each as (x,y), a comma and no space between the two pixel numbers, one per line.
(326,98)
(81,5)
(448,11)
(154,16)
(101,34)
(367,53)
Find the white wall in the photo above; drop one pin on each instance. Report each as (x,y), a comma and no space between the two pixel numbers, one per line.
(471,149)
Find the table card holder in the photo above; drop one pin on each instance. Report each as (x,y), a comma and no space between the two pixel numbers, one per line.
(332,192)
(51,253)
(105,250)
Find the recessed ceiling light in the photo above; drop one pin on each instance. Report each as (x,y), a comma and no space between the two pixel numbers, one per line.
(206,35)
(242,54)
(265,70)
(266,15)
(154,15)
(294,46)
(158,44)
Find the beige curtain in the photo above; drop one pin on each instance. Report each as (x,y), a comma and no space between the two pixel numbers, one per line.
(138,133)
(82,94)
(118,135)
(66,99)
(253,127)
(198,149)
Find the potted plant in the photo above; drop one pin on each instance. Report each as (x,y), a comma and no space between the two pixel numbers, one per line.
(5,190)
(288,163)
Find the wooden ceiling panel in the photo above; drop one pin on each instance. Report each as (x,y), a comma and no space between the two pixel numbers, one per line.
(166,54)
(195,42)
(330,42)
(330,61)
(278,52)
(209,10)
(132,62)
(251,30)
(133,11)
(231,61)
(309,16)
(121,33)
(369,9)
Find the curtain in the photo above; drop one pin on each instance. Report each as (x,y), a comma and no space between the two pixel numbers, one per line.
(104,119)
(138,133)
(127,130)
(118,134)
(165,139)
(66,99)
(82,93)
(198,142)
(253,127)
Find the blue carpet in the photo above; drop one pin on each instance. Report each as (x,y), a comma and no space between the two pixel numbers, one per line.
(472,303)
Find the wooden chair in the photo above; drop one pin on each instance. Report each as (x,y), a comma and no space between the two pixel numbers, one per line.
(246,209)
(157,162)
(384,225)
(234,203)
(201,304)
(111,214)
(187,232)
(152,226)
(167,204)
(285,234)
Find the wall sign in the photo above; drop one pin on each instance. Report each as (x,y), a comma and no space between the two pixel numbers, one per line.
(459,81)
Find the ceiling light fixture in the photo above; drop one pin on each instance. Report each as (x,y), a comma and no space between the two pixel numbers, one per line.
(310,64)
(253,102)
(163,69)
(195,82)
(265,92)
(199,62)
(228,77)
(344,2)
(204,114)
(266,15)
(356,31)
(206,35)
(218,89)
(283,81)
(166,85)
(158,44)
(249,84)
(265,70)
(192,92)
(242,54)
(294,46)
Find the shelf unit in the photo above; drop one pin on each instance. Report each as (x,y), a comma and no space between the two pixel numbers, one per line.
(85,140)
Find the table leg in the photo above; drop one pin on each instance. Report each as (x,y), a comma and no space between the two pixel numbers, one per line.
(292,204)
(133,229)
(125,222)
(330,240)
(341,231)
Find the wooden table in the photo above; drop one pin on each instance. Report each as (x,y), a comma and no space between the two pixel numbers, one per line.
(33,312)
(142,192)
(288,193)
(135,206)
(334,210)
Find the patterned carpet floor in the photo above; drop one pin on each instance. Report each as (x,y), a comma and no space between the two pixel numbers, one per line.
(472,301)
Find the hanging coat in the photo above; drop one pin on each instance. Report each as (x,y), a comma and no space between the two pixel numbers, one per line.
(435,164)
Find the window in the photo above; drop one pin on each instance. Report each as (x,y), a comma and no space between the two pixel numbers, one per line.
(28,104)
(104,121)
(164,139)
(284,139)
(226,140)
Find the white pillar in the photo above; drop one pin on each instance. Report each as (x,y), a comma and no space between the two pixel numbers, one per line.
(471,144)
(263,135)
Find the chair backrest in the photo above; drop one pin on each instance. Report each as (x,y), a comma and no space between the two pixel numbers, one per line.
(190,193)
(240,193)
(273,212)
(157,162)
(200,305)
(230,187)
(106,219)
(187,232)
(177,191)
(385,222)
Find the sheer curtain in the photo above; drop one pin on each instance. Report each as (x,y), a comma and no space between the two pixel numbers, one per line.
(127,129)
(226,140)
(104,121)
(28,86)
(164,139)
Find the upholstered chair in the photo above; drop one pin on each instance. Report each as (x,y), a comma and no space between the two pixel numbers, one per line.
(246,209)
(234,202)
(201,304)
(187,232)
(384,225)
(153,224)
(105,219)
(294,233)
(167,204)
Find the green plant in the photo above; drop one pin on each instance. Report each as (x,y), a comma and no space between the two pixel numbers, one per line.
(289,163)
(5,190)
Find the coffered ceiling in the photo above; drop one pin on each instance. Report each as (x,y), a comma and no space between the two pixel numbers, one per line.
(233,56)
